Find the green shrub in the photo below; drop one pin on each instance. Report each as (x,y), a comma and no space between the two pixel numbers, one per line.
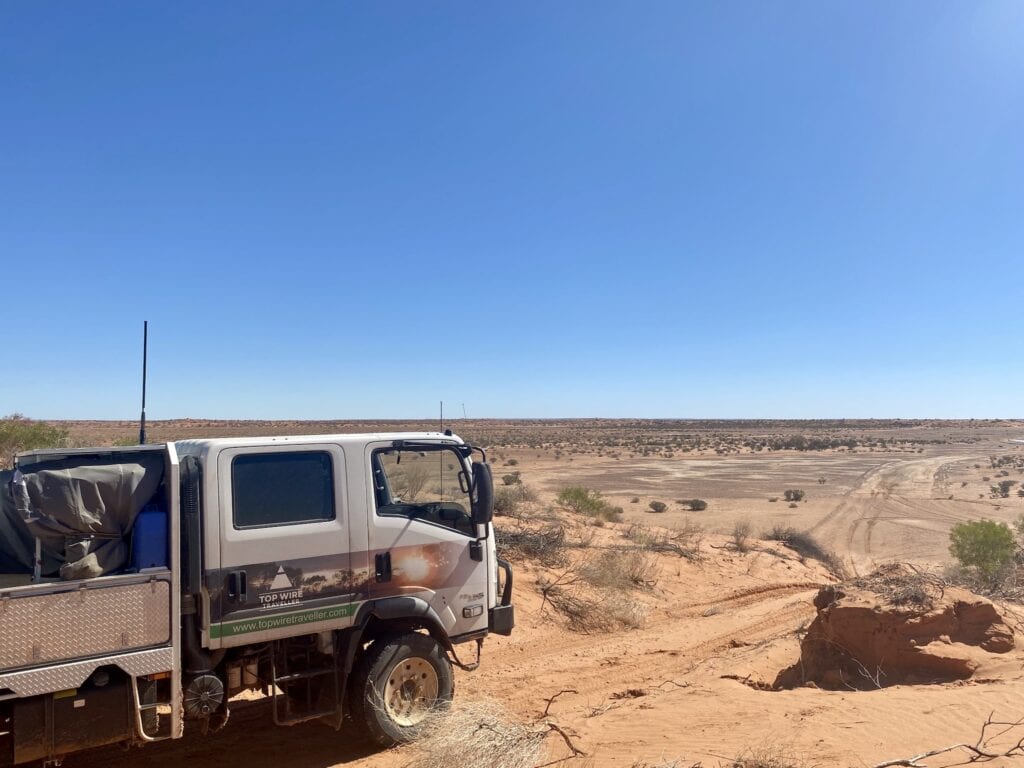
(589,502)
(794,494)
(985,545)
(512,479)
(658,506)
(20,434)
(508,498)
(697,505)
(1004,488)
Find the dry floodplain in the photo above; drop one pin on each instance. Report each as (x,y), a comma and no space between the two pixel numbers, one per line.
(660,638)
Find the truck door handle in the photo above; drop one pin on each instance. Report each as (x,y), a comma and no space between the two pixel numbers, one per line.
(382,566)
(237,592)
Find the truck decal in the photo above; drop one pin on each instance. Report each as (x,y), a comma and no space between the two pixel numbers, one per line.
(281,593)
(281,585)
(264,623)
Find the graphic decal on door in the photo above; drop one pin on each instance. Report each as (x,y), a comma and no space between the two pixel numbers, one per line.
(282,585)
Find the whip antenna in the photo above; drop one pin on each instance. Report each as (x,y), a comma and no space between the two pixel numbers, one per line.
(145,348)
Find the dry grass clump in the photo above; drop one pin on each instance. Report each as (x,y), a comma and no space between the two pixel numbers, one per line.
(621,568)
(766,757)
(1007,585)
(605,612)
(476,732)
(546,545)
(741,535)
(805,545)
(592,593)
(684,541)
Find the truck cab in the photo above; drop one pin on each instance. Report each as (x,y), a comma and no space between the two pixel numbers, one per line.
(341,575)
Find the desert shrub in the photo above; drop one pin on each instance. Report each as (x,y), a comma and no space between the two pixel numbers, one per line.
(635,500)
(508,498)
(18,433)
(612,609)
(624,569)
(512,463)
(805,545)
(547,545)
(587,501)
(476,733)
(773,499)
(696,505)
(741,534)
(658,506)
(794,494)
(511,479)
(1003,489)
(985,545)
(684,544)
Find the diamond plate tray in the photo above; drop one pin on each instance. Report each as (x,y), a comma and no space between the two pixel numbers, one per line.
(38,629)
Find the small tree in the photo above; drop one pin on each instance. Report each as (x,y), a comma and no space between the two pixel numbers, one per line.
(20,434)
(985,545)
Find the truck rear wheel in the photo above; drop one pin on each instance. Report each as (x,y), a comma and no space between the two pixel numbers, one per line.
(398,682)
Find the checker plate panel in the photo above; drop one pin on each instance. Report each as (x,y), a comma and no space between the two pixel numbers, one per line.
(80,623)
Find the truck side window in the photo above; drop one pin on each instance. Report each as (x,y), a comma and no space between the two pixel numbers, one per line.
(423,485)
(282,488)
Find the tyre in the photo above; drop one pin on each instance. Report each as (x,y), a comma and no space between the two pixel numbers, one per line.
(397,683)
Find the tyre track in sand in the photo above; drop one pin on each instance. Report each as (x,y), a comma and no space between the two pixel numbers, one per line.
(752,595)
(668,648)
(902,493)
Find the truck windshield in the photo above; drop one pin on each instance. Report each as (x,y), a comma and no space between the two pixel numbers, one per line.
(428,485)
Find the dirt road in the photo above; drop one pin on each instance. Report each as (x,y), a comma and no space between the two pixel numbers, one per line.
(899,510)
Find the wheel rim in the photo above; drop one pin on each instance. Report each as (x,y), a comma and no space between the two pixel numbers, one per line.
(411,691)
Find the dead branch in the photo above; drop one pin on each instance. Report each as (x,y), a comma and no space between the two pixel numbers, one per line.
(551,700)
(979,752)
(673,682)
(576,751)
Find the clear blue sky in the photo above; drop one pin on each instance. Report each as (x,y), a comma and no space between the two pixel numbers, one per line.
(722,209)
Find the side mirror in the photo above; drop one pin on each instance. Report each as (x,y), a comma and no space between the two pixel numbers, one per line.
(482,498)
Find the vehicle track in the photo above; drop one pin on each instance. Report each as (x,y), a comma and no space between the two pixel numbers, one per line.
(901,493)
(753,595)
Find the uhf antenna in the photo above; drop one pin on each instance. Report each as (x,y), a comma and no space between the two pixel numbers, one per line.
(145,347)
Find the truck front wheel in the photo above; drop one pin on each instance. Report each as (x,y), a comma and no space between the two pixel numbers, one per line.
(398,682)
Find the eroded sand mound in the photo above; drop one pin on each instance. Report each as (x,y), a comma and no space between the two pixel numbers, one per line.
(898,627)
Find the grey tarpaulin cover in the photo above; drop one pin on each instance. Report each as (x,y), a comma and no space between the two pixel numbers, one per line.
(80,508)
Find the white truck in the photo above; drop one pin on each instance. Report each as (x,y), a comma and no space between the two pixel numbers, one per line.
(144,587)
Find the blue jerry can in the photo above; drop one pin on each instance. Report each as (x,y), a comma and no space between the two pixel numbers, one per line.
(149,538)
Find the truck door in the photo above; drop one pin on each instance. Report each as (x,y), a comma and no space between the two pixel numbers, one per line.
(285,564)
(422,539)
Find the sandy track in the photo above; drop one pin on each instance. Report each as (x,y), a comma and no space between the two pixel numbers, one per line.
(901,497)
